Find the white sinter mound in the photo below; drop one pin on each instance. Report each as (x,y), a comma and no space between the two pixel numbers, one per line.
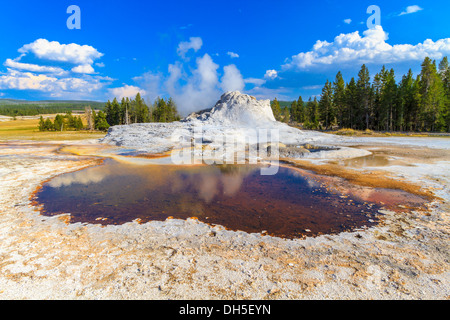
(235,114)
(236,109)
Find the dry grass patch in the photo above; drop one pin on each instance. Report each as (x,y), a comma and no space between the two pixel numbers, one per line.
(28,130)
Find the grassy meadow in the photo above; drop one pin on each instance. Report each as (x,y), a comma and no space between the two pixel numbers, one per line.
(27,129)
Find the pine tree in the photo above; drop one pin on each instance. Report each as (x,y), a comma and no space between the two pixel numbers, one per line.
(388,99)
(276,109)
(352,102)
(285,115)
(339,98)
(141,109)
(307,121)
(160,110)
(58,123)
(41,124)
(443,68)
(408,103)
(71,121)
(312,114)
(364,93)
(300,110)
(79,124)
(48,125)
(326,107)
(294,112)
(432,96)
(122,111)
(115,113)
(109,112)
(100,122)
(377,88)
(173,112)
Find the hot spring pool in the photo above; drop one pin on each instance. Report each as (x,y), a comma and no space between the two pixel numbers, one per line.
(291,204)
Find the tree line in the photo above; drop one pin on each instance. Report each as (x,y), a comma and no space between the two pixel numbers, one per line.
(61,123)
(34,109)
(114,113)
(68,122)
(137,111)
(420,103)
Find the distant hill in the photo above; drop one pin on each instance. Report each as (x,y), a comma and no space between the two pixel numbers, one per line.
(14,107)
(283,103)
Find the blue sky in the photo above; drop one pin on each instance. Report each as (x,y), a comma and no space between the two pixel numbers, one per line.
(195,50)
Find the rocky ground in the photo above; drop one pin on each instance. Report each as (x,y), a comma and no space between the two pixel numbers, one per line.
(405,257)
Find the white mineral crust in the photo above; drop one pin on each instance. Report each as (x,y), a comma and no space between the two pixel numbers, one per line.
(235,116)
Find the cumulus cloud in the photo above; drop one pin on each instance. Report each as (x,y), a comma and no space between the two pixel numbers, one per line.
(54,51)
(411,9)
(194,43)
(232,54)
(371,47)
(232,79)
(348,21)
(271,74)
(77,82)
(27,81)
(32,67)
(85,68)
(56,87)
(126,91)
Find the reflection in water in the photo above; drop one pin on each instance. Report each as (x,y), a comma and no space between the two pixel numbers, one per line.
(80,177)
(236,197)
(374,160)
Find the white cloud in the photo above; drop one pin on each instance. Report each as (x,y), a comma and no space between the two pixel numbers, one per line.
(411,9)
(268,93)
(194,43)
(314,87)
(271,74)
(100,64)
(85,68)
(255,81)
(54,51)
(348,21)
(56,87)
(232,79)
(232,54)
(27,81)
(32,67)
(126,91)
(352,48)
(54,80)
(186,27)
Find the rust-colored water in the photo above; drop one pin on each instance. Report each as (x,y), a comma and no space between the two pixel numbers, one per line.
(290,204)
